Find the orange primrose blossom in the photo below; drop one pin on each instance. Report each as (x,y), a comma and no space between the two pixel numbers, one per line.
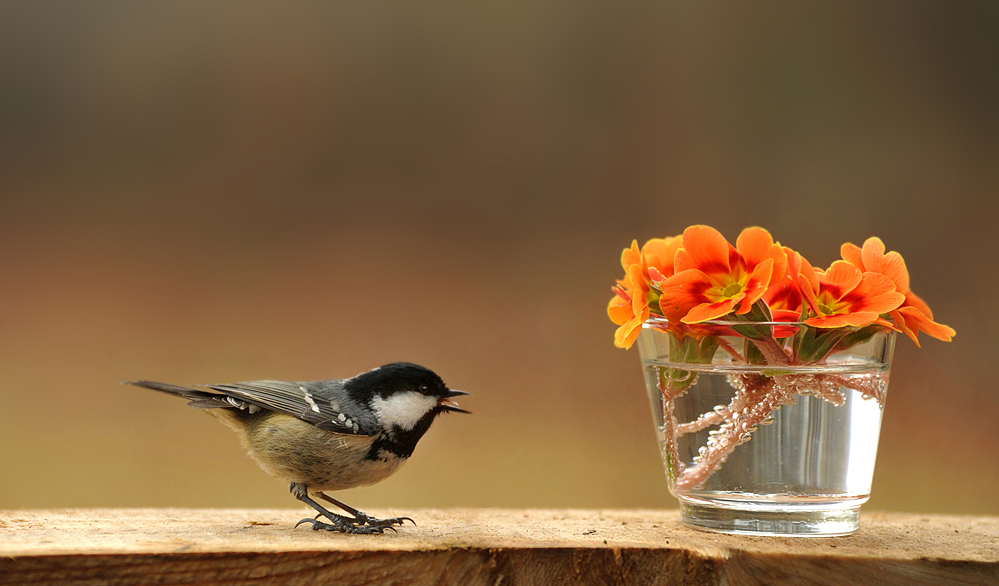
(630,306)
(913,315)
(784,296)
(845,296)
(714,278)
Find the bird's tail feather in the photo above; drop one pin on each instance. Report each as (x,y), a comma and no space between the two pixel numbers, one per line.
(200,399)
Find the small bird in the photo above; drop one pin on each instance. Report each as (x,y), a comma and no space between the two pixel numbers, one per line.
(331,434)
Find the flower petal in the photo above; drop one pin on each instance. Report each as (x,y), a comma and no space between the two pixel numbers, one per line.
(876,293)
(705,249)
(891,265)
(857,319)
(872,252)
(638,297)
(619,311)
(784,315)
(913,300)
(660,253)
(626,335)
(757,285)
(707,311)
(841,278)
(808,294)
(918,321)
(755,244)
(631,256)
(785,293)
(900,325)
(681,292)
(851,253)
(803,267)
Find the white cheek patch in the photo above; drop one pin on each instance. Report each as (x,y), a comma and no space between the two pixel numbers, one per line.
(402,409)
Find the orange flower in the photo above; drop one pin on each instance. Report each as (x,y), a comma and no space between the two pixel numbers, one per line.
(844,296)
(913,315)
(630,306)
(784,296)
(655,258)
(713,278)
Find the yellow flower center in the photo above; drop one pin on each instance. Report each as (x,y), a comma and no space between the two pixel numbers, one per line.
(727,285)
(829,305)
(732,290)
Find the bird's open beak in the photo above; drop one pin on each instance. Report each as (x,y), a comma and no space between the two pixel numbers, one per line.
(448,405)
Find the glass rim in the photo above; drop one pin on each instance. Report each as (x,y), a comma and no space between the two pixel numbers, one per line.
(653,321)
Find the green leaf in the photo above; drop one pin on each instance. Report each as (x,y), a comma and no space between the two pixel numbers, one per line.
(706,352)
(759,312)
(859,337)
(675,380)
(753,353)
(802,340)
(685,350)
(817,344)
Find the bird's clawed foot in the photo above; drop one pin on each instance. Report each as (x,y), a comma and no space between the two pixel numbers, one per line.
(368,520)
(344,525)
(357,522)
(364,519)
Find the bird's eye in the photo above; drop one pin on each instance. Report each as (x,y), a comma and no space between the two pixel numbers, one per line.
(423,389)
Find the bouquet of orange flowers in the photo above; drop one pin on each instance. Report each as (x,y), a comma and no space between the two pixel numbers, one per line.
(703,291)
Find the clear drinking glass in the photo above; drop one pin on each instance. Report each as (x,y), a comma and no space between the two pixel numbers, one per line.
(763,443)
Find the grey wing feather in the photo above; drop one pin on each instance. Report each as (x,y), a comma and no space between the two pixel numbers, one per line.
(322,403)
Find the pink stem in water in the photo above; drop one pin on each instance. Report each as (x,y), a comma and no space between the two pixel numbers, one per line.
(707,420)
(669,424)
(773,351)
(738,403)
(820,385)
(756,398)
(731,351)
(869,385)
(763,399)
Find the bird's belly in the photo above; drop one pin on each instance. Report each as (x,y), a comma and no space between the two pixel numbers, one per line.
(362,473)
(296,451)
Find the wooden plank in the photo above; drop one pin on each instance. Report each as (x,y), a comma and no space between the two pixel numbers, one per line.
(480,546)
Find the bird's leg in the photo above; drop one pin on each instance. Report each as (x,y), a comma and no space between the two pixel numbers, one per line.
(363,518)
(337,523)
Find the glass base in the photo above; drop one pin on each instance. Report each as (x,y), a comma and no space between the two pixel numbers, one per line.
(786,523)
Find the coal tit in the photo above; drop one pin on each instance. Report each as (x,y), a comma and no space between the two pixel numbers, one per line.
(331,434)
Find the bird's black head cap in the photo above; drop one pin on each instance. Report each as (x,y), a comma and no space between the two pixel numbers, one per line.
(397,377)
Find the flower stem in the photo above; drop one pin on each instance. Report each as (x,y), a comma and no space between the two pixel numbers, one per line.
(674,467)
(731,351)
(772,350)
(756,397)
(763,397)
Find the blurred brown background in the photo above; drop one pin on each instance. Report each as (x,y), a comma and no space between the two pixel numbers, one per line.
(209,192)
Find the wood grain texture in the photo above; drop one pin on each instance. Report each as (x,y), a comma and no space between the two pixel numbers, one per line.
(480,546)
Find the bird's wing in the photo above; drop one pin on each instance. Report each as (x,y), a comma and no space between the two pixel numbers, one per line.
(321,403)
